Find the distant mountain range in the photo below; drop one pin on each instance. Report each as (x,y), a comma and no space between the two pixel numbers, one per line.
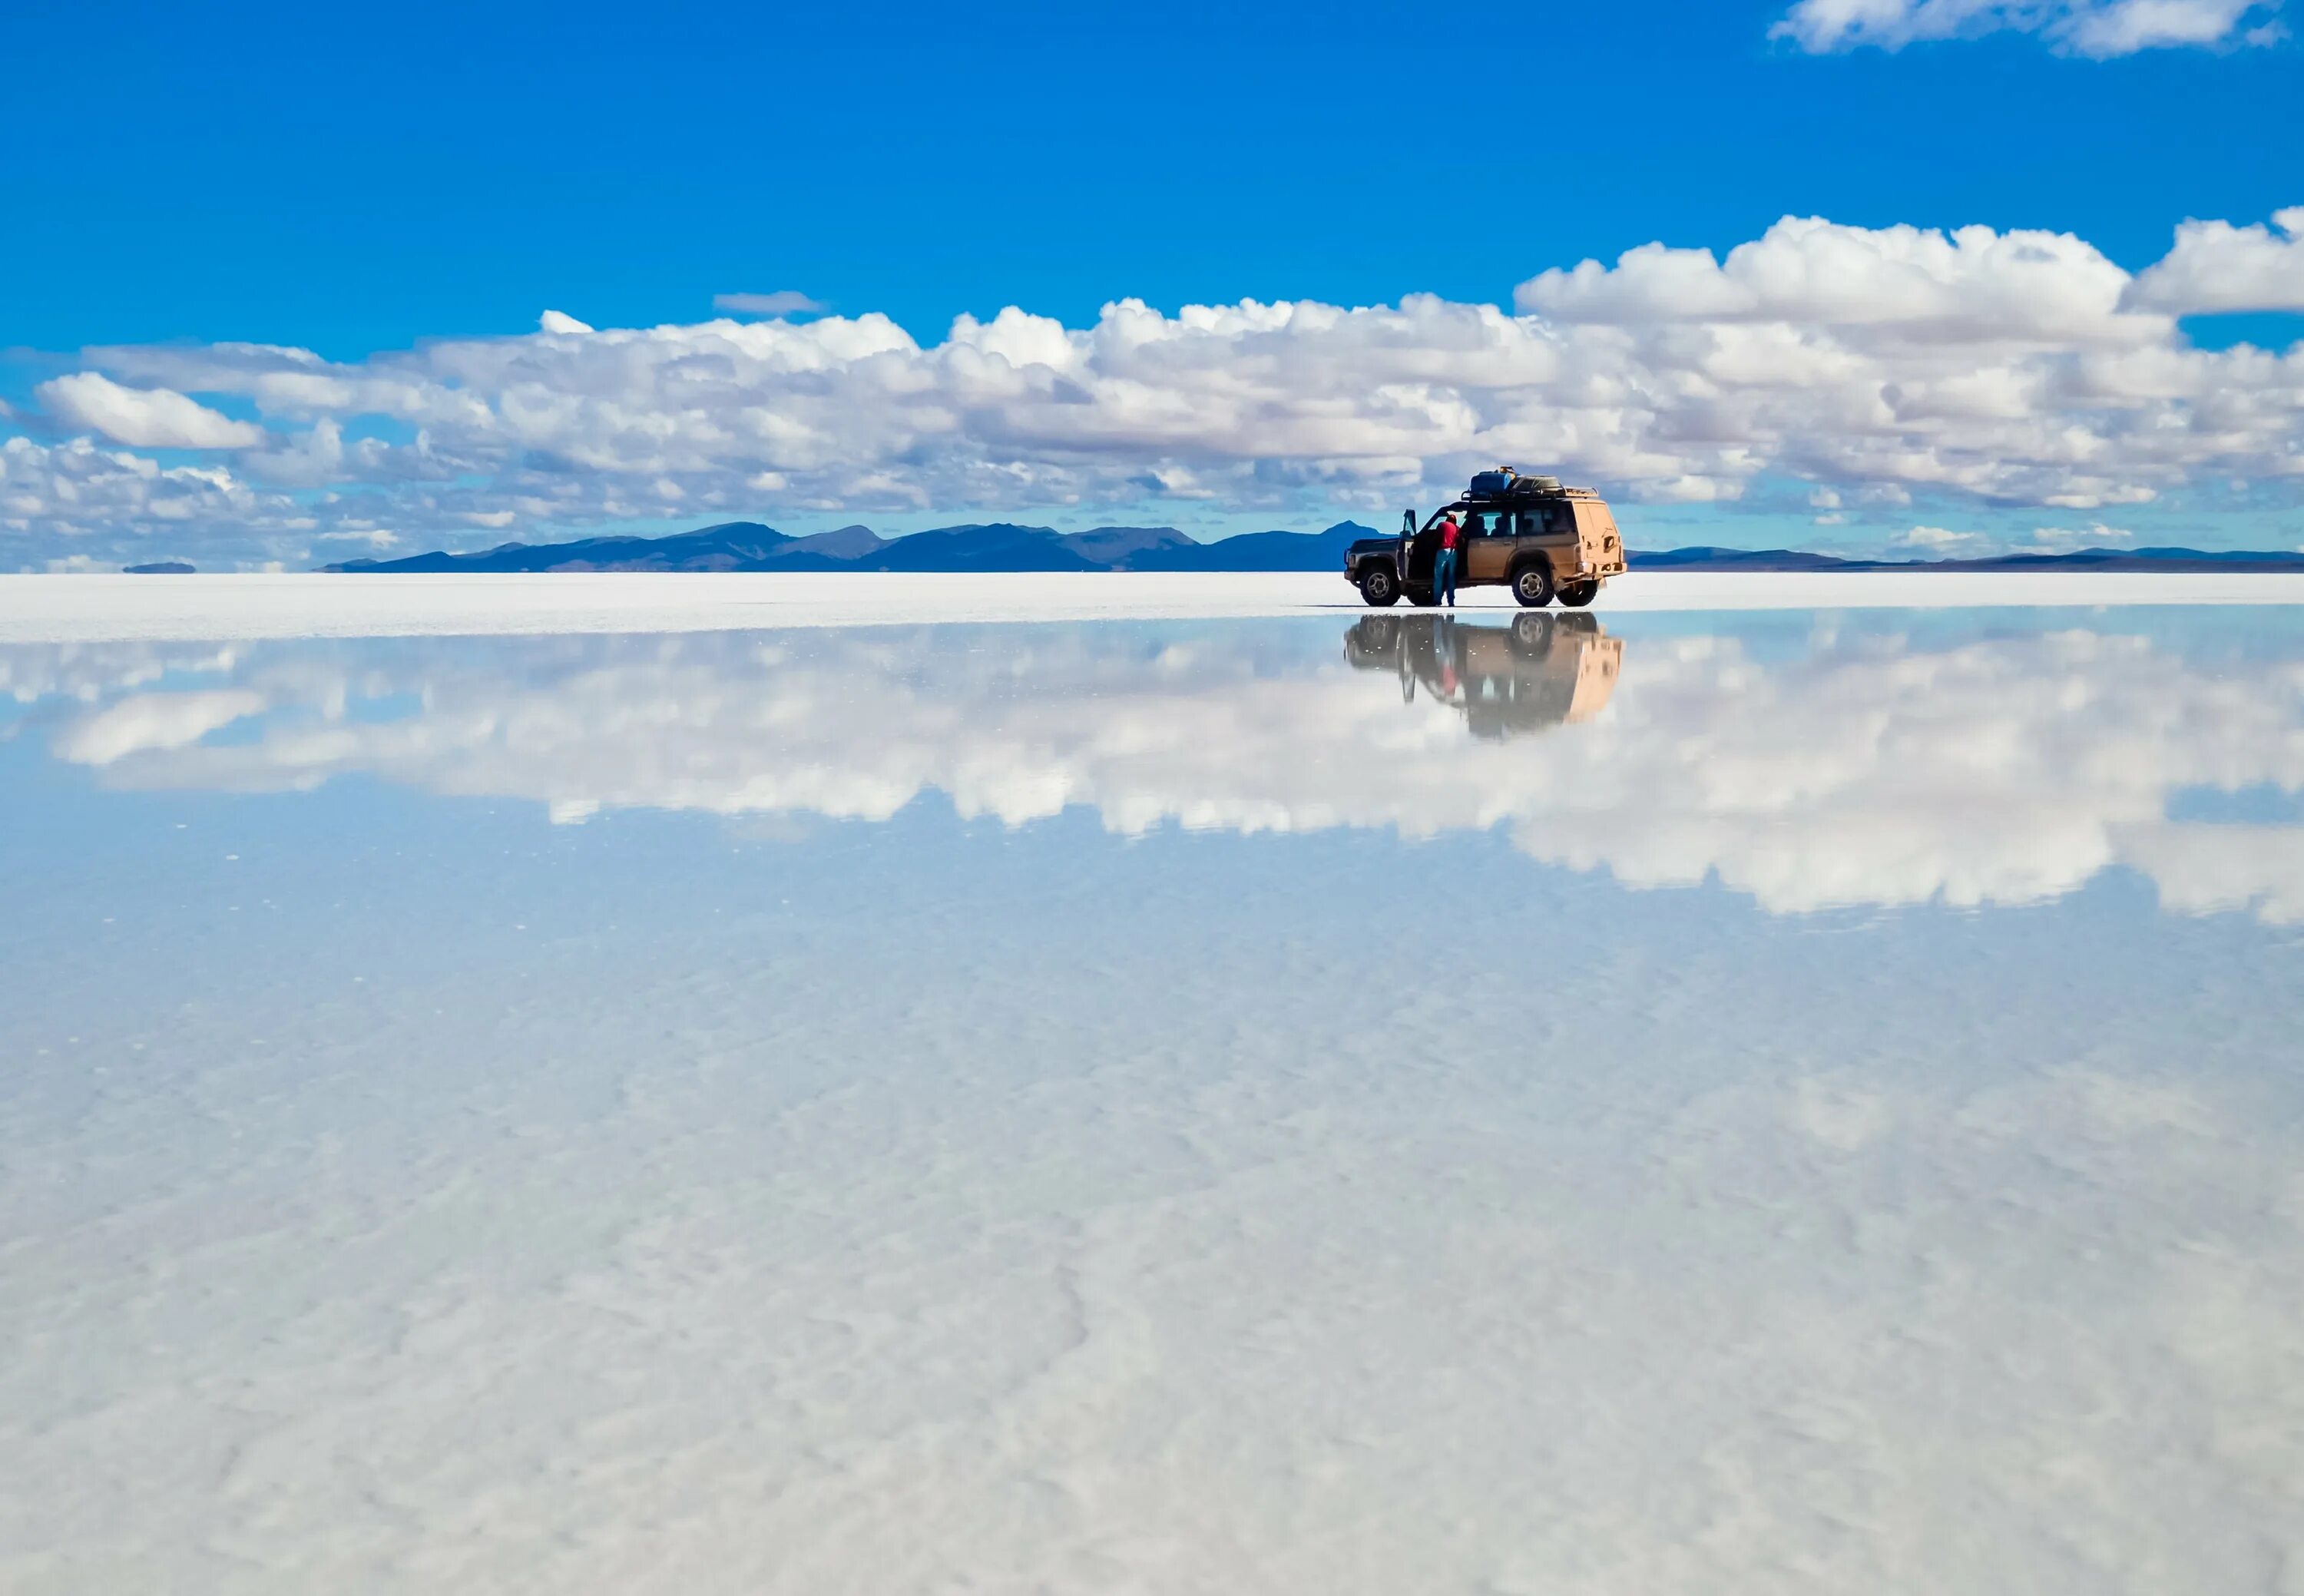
(996,545)
(2085,559)
(1004,547)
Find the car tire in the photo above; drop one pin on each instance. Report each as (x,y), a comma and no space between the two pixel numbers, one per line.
(1379,587)
(1531,636)
(1576,595)
(1531,584)
(1423,598)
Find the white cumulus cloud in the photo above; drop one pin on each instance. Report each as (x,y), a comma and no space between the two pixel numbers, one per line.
(144,418)
(2099,29)
(79,488)
(1940,540)
(2218,267)
(783,301)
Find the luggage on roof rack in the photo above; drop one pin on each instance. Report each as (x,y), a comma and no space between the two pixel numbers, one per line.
(1505,482)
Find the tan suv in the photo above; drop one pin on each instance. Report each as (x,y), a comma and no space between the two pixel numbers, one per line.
(1531,534)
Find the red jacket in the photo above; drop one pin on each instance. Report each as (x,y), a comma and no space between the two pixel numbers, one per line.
(1448,531)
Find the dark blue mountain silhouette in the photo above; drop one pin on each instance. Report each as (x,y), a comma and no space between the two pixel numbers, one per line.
(2084,559)
(1261,551)
(731,546)
(1129,548)
(996,545)
(1005,545)
(845,543)
(1000,546)
(1735,559)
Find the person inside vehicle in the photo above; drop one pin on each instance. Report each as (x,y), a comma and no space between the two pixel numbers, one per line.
(1443,563)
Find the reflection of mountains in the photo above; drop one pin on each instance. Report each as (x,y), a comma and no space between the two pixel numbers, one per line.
(1851,768)
(1536,673)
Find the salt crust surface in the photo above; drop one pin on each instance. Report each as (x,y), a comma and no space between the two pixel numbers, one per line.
(1044,1210)
(94,608)
(1033,1272)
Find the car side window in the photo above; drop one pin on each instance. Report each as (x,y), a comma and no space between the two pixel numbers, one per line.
(1560,518)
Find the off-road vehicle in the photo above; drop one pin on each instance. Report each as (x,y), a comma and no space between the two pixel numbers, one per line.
(1531,534)
(1507,680)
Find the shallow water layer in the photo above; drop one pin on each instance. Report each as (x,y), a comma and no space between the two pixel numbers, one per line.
(1666,1102)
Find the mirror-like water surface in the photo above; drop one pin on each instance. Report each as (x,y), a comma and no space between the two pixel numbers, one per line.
(1652,1104)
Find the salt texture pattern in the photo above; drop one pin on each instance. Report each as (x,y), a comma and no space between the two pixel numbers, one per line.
(1155,1107)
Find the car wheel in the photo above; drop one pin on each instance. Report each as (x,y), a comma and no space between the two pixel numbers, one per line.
(1423,598)
(1532,584)
(1379,587)
(1576,595)
(1532,636)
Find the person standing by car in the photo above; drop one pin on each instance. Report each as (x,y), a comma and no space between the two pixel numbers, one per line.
(1443,563)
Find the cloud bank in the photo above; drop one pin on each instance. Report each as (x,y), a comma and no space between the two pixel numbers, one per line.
(2009,367)
(2097,28)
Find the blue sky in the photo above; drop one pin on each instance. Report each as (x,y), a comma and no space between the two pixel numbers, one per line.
(353,183)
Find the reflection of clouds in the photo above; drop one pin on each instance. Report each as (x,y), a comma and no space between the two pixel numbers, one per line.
(2204,869)
(90,671)
(2004,771)
(2008,769)
(146,721)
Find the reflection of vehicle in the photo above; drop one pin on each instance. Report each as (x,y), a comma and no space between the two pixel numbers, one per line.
(1526,533)
(1536,673)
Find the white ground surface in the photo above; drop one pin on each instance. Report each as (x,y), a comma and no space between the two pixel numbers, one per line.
(1023,1246)
(400,1193)
(96,608)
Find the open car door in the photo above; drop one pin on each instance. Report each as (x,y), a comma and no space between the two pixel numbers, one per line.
(1416,559)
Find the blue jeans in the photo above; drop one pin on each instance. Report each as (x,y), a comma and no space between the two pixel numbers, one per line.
(1444,577)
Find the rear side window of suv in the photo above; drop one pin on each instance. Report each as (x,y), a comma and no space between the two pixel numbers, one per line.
(1556,518)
